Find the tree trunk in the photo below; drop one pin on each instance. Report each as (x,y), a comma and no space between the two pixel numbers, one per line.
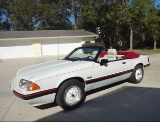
(131,38)
(73,14)
(110,43)
(155,43)
(14,17)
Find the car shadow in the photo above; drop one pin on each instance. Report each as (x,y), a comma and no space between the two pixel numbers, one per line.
(124,104)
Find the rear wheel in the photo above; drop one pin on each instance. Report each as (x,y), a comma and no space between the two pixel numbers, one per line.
(137,74)
(70,94)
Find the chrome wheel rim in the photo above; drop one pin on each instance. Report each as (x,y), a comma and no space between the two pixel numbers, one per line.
(139,74)
(72,95)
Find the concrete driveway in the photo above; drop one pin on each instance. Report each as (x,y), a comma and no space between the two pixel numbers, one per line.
(119,102)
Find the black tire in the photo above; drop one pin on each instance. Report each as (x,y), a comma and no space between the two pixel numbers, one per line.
(71,89)
(137,75)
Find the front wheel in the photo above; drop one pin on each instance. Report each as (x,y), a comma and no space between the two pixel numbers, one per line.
(137,74)
(70,94)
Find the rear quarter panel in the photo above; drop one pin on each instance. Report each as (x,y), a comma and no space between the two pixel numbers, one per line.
(142,59)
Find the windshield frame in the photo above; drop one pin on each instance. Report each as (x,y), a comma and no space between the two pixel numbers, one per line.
(99,48)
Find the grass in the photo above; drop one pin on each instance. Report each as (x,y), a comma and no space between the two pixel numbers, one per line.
(157,50)
(147,51)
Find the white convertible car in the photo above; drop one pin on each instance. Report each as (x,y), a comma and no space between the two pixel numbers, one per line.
(85,68)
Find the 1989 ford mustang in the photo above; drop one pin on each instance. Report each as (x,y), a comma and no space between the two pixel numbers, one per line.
(85,68)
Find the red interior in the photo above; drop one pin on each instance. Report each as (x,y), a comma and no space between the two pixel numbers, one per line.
(127,55)
(102,54)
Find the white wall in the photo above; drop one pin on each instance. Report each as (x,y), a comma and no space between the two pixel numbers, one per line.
(15,48)
(60,46)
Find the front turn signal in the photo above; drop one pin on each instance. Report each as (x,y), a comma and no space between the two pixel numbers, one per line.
(33,86)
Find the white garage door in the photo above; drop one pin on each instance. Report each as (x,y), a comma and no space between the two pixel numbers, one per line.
(64,47)
(15,49)
(49,47)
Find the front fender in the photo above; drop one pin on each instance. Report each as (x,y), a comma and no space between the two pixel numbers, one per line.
(69,76)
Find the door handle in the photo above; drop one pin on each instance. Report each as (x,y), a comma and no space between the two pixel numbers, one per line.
(124,63)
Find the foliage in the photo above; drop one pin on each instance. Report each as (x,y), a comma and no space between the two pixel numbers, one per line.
(117,18)
(95,44)
(35,14)
(52,15)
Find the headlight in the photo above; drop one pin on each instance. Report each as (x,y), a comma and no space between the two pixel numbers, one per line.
(28,85)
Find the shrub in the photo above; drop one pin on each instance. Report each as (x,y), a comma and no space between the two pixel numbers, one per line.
(95,44)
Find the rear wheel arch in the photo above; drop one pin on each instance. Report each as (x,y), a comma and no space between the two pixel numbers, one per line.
(141,64)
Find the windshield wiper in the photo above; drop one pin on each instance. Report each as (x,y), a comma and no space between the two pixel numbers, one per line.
(75,59)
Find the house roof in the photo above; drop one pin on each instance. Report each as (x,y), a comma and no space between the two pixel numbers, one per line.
(45,34)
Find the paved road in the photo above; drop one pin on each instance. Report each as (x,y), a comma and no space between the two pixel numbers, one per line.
(123,102)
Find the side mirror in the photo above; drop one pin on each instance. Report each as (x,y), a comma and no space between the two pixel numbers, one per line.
(103,61)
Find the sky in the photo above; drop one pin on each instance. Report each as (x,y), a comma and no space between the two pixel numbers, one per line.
(157,2)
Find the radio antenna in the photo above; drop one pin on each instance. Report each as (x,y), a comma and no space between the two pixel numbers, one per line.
(58,45)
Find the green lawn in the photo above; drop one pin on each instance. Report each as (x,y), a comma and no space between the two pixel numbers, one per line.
(147,51)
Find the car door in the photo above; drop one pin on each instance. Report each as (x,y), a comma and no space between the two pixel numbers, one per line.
(110,72)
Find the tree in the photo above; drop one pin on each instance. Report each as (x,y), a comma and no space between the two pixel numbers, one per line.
(4,21)
(21,14)
(88,15)
(35,14)
(52,14)
(153,22)
(74,6)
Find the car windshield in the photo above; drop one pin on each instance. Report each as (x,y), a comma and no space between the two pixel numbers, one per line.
(84,54)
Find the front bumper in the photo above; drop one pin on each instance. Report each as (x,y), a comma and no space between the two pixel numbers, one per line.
(34,98)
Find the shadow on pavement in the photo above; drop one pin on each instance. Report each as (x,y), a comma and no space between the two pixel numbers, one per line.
(125,104)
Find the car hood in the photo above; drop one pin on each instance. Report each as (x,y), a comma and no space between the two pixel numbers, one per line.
(52,68)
